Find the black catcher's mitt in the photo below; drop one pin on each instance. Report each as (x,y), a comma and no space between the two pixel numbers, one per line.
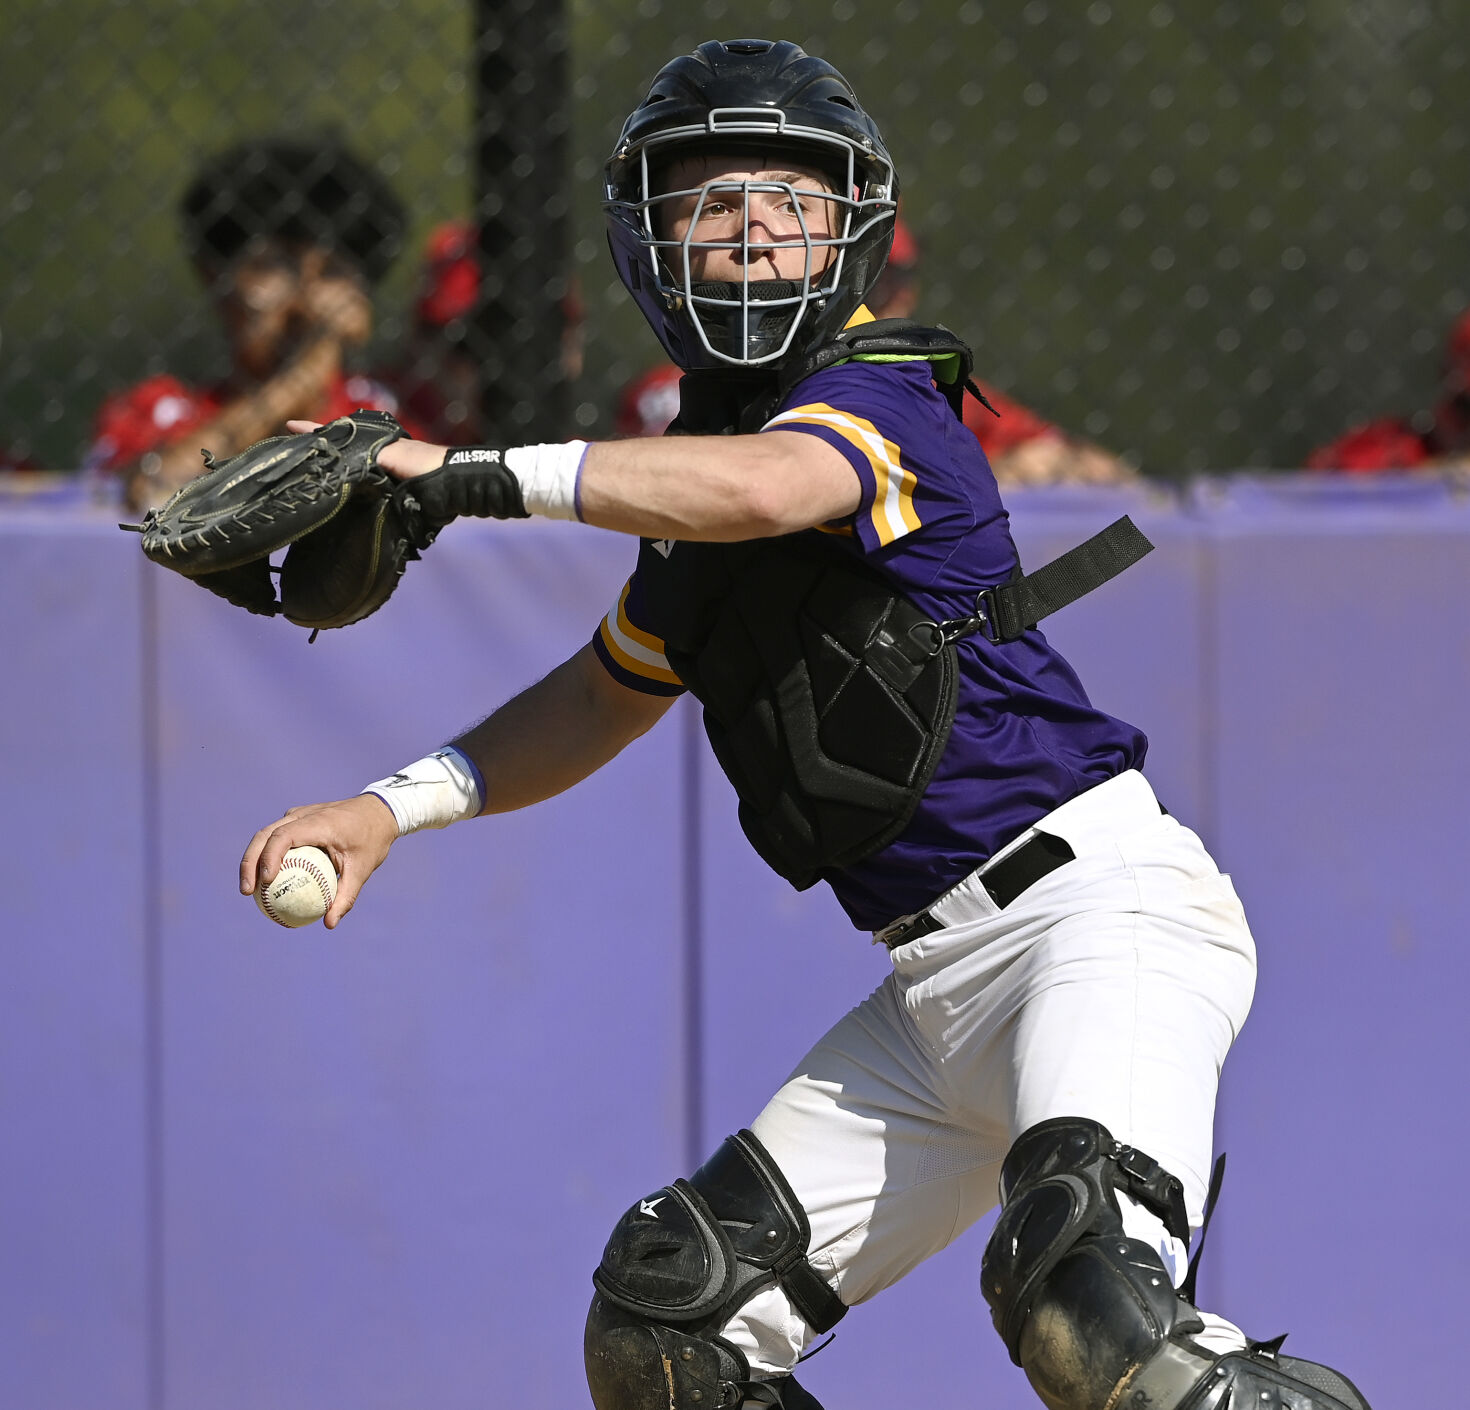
(318,495)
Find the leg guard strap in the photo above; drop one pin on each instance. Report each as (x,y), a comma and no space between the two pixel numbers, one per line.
(767,1229)
(1182,1377)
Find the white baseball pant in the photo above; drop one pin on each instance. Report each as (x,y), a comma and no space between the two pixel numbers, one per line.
(1111,989)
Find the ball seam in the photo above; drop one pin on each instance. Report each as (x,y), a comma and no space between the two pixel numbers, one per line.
(316,874)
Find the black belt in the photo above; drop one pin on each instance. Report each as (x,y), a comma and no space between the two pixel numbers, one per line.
(1035,858)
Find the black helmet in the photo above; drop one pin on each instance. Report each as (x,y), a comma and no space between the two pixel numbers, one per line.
(749,97)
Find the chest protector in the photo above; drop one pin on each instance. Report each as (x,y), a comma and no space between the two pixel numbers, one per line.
(824,698)
(828,696)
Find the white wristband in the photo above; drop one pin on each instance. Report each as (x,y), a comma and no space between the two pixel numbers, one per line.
(550,477)
(432,792)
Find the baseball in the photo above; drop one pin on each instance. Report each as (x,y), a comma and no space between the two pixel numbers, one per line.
(302,889)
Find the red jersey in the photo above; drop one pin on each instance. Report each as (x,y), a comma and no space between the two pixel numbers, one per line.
(649,402)
(1014,426)
(162,410)
(1387,444)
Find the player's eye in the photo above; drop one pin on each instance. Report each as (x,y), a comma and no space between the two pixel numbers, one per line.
(802,203)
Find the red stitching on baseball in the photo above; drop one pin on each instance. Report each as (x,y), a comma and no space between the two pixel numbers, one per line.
(312,870)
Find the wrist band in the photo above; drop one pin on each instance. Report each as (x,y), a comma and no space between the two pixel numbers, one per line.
(432,792)
(550,477)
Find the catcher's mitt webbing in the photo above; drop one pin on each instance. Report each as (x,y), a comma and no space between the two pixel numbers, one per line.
(319,492)
(268,496)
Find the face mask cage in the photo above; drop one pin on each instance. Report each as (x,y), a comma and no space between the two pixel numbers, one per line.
(752,320)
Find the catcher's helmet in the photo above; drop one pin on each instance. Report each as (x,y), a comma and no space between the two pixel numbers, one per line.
(749,97)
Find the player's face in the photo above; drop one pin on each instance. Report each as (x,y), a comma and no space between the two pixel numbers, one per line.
(744,232)
(277,293)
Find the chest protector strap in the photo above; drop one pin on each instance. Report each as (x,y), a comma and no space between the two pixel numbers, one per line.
(1009,610)
(828,696)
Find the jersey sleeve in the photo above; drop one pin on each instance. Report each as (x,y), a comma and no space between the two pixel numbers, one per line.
(633,655)
(896,431)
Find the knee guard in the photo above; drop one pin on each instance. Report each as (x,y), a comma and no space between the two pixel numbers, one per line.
(679,1265)
(1091,1315)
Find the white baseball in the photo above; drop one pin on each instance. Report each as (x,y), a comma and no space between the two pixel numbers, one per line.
(302,889)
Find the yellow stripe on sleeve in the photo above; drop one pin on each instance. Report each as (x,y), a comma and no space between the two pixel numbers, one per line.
(638,652)
(893,513)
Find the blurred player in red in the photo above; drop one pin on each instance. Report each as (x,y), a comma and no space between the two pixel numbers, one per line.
(440,380)
(289,239)
(1023,447)
(648,403)
(1437,437)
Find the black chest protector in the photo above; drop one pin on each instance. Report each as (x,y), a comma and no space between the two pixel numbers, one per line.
(825,700)
(828,696)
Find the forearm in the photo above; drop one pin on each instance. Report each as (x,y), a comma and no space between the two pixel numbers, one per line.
(556,733)
(712,488)
(534,746)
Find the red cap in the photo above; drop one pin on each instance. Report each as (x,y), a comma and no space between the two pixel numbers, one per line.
(450,284)
(451,277)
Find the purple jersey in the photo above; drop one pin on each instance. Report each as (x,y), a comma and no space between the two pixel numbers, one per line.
(1025,737)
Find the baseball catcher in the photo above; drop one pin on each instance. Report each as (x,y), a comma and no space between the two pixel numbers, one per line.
(826,565)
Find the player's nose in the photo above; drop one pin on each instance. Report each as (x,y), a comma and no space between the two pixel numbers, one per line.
(767,230)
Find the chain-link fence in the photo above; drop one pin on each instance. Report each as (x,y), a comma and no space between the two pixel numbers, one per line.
(1206,236)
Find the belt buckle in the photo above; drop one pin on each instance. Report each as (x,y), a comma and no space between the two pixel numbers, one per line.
(910,928)
(887,935)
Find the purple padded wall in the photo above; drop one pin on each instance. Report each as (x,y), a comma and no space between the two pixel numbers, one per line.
(79,948)
(248,1166)
(1342,766)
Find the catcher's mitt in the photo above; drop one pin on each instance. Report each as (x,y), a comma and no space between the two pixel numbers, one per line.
(320,496)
